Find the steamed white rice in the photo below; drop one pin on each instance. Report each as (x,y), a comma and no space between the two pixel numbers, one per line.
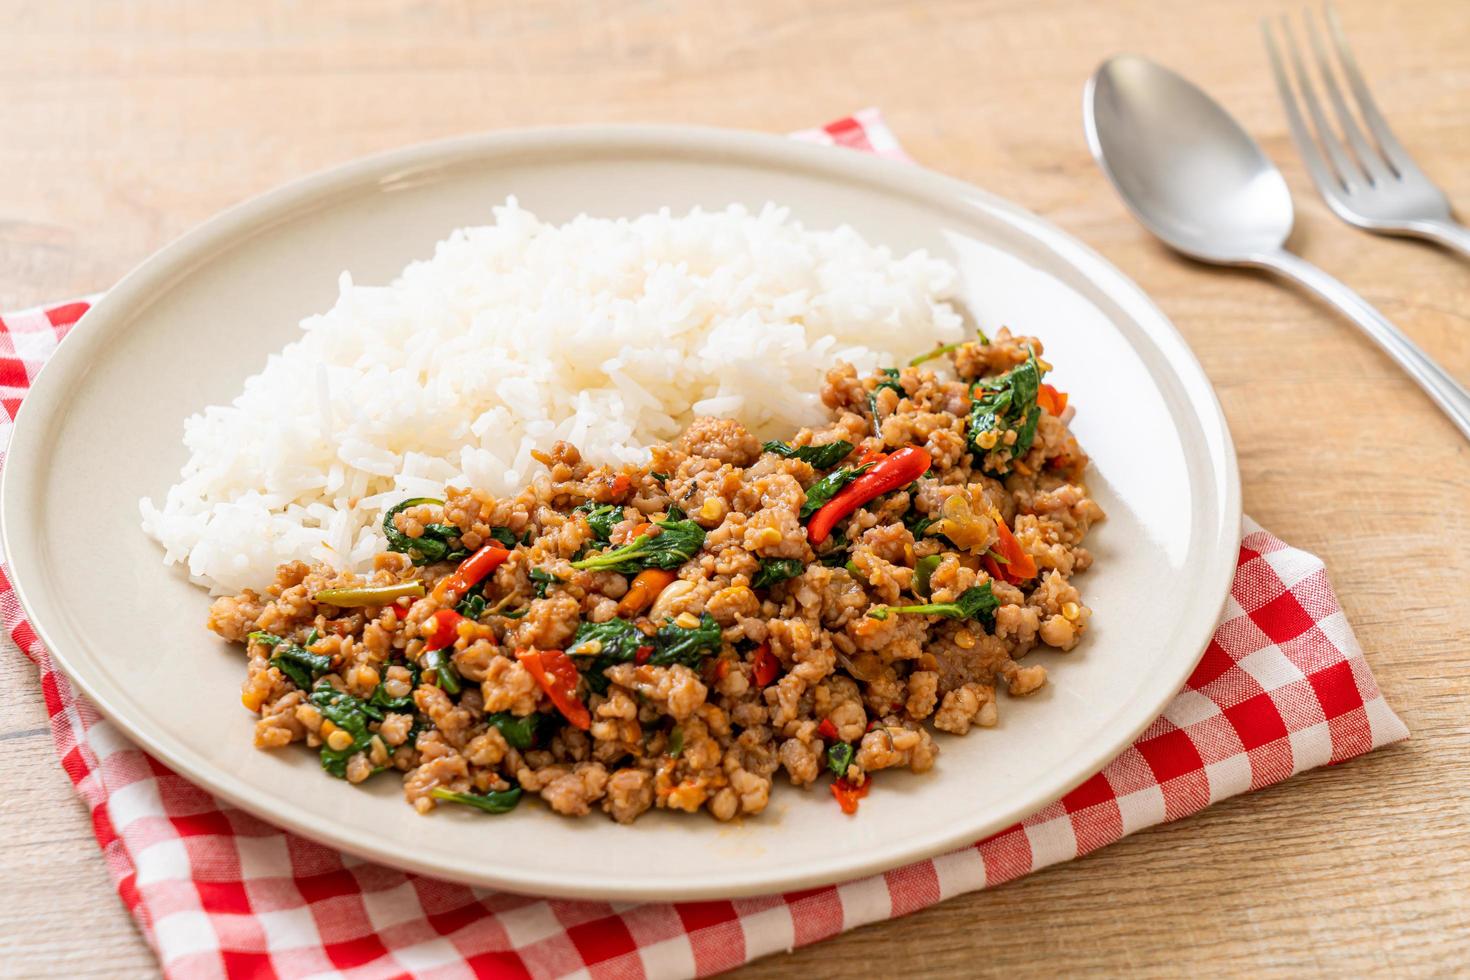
(611,334)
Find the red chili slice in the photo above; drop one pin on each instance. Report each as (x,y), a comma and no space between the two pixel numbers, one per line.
(716,671)
(896,470)
(444,630)
(767,666)
(827,730)
(1052,400)
(643,590)
(452,588)
(1019,566)
(848,794)
(558,677)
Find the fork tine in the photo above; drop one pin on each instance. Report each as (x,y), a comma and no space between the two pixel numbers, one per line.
(1367,157)
(1321,173)
(1351,174)
(1393,151)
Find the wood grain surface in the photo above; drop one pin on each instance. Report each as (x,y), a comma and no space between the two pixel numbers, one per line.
(122,124)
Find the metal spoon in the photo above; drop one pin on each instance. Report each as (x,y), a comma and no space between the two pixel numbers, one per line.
(1196,179)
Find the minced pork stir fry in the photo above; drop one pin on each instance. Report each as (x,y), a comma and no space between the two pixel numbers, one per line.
(674,635)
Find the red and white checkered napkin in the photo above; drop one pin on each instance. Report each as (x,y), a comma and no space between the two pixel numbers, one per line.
(1283,687)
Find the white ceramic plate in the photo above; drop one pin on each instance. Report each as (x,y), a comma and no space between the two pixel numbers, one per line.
(102,428)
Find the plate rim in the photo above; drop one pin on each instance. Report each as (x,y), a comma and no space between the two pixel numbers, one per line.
(258,212)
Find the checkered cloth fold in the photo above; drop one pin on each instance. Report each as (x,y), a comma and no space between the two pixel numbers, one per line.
(1282,687)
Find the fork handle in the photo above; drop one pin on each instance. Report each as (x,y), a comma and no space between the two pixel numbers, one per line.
(1447,393)
(1448,233)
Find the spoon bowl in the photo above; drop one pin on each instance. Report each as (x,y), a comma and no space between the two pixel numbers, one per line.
(1186,169)
(1196,179)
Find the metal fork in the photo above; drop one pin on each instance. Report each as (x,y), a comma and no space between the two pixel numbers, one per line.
(1374,185)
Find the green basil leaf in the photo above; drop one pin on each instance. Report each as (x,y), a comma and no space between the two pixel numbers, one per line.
(502,801)
(775,570)
(822,457)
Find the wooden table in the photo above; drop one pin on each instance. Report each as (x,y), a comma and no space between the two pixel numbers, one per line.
(126,123)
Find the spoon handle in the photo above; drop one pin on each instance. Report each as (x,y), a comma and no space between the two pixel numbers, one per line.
(1447,393)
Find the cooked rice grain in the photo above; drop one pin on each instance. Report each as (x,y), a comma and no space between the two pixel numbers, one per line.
(610,334)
